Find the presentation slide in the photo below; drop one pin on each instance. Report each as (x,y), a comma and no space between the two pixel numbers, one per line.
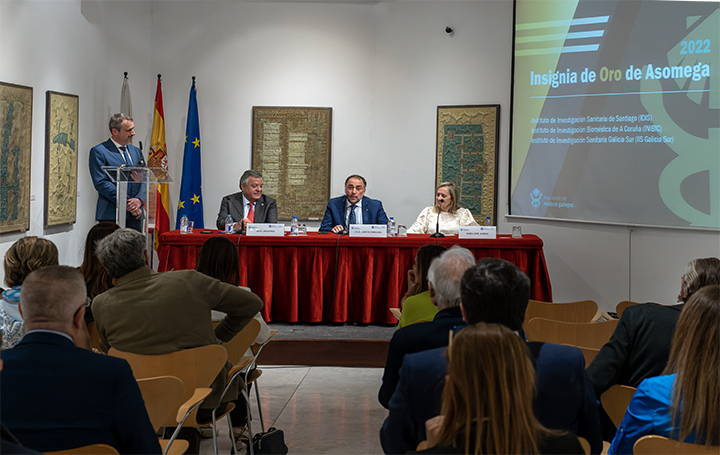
(616,112)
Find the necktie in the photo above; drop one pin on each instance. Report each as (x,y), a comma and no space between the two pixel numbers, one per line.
(251,213)
(123,152)
(351,218)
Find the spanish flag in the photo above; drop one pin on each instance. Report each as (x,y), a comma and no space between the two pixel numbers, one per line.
(158,161)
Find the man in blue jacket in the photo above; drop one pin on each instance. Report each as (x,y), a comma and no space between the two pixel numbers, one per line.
(116,152)
(353,208)
(56,396)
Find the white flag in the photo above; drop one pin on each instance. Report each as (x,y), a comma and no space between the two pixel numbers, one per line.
(125,100)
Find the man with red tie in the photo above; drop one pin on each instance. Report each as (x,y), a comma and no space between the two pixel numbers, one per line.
(249,205)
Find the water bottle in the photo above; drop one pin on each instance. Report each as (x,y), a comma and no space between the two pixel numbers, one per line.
(488,222)
(294,226)
(392,227)
(184,224)
(228,224)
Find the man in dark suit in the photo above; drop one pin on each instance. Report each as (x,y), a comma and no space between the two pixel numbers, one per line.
(494,291)
(640,346)
(444,286)
(116,152)
(353,208)
(249,205)
(57,396)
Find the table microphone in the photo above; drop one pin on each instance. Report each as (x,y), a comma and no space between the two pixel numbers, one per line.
(437,233)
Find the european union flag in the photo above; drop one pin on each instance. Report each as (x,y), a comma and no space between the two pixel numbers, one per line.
(190,202)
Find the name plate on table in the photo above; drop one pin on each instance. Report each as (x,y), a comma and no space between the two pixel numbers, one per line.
(265,230)
(478,232)
(368,230)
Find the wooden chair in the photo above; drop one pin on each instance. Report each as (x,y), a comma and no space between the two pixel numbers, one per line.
(651,445)
(588,353)
(585,445)
(163,398)
(616,400)
(244,368)
(197,368)
(580,311)
(589,335)
(620,307)
(92,449)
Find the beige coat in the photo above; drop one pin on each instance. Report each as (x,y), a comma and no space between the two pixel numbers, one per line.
(156,313)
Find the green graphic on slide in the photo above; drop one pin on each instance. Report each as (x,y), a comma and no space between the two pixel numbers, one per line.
(695,154)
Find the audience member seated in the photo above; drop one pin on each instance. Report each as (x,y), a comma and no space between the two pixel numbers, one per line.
(24,256)
(56,396)
(416,305)
(97,280)
(495,291)
(640,346)
(444,287)
(445,214)
(154,313)
(684,402)
(218,258)
(497,417)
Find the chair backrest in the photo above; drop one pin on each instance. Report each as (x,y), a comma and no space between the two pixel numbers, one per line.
(616,400)
(589,354)
(651,445)
(241,342)
(620,307)
(163,396)
(92,449)
(581,311)
(195,367)
(589,335)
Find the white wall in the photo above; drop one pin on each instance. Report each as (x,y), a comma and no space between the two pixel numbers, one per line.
(383,68)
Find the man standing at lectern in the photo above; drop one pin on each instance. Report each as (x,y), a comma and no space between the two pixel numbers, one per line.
(249,205)
(116,152)
(353,208)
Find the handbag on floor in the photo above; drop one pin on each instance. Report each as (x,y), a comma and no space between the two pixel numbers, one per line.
(271,442)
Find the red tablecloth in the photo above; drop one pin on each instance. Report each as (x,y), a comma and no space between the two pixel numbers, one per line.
(296,276)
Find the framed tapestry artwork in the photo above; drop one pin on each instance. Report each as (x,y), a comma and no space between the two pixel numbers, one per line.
(16,118)
(61,158)
(467,155)
(291,149)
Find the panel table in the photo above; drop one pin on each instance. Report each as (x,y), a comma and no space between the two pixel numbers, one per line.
(325,277)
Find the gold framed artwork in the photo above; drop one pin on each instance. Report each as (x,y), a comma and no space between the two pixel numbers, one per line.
(61,158)
(291,149)
(15,152)
(467,155)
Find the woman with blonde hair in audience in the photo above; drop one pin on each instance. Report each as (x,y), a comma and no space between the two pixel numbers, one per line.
(24,256)
(446,213)
(487,404)
(683,403)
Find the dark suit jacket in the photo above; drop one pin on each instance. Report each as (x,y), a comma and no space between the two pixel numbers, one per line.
(106,154)
(638,349)
(416,337)
(565,399)
(265,209)
(372,210)
(56,396)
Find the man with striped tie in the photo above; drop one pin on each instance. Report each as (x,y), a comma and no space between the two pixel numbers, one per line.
(116,152)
